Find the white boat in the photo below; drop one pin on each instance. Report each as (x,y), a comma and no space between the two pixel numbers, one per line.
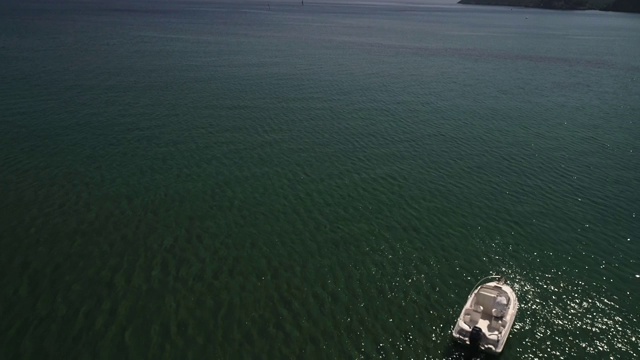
(488,315)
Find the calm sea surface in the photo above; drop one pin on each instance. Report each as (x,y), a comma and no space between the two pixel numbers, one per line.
(214,180)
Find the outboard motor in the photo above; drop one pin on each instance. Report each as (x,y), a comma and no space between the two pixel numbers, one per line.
(475,338)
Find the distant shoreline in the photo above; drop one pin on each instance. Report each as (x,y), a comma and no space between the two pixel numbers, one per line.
(629,6)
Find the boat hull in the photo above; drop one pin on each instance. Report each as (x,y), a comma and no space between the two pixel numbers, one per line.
(487,318)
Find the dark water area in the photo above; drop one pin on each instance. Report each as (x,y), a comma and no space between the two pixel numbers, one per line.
(220,180)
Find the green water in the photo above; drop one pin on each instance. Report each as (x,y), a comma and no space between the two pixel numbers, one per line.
(204,180)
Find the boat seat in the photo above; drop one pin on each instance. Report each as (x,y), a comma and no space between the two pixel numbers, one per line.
(472,316)
(496,325)
(500,306)
(485,298)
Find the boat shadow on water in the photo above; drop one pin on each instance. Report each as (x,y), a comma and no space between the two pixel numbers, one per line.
(457,351)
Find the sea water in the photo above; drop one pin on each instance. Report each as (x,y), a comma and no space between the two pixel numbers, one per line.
(215,179)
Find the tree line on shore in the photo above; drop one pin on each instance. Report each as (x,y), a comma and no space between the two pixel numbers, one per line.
(605,5)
